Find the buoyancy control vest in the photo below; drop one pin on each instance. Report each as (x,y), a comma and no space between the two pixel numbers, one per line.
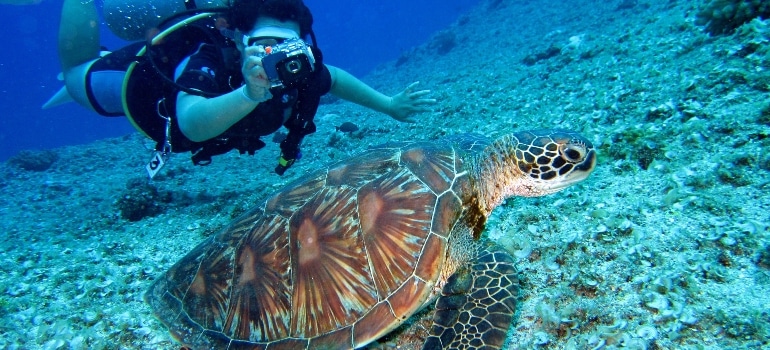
(149,97)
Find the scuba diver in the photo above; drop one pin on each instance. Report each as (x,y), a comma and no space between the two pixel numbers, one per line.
(211,79)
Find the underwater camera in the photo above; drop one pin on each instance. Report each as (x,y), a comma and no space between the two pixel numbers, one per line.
(288,62)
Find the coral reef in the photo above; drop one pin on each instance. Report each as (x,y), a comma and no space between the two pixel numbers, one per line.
(443,42)
(551,51)
(140,200)
(725,16)
(34,160)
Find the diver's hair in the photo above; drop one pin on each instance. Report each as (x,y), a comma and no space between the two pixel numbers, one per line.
(243,13)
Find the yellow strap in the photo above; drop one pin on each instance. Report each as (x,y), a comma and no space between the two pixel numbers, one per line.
(155,40)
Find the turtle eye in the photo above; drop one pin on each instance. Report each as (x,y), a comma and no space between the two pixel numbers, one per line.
(573,153)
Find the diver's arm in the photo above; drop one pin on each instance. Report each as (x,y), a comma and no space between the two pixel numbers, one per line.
(401,106)
(203,118)
(348,87)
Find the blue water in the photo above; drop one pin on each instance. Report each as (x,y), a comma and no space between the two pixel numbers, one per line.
(356,35)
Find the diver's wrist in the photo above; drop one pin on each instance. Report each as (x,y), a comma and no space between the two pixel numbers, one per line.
(245,92)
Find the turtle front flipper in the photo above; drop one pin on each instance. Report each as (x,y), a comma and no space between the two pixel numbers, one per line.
(477,304)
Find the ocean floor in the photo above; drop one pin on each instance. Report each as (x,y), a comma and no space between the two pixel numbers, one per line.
(665,246)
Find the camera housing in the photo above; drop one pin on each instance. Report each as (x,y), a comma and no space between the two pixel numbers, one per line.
(288,62)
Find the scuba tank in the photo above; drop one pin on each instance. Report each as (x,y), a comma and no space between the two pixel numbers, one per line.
(132,20)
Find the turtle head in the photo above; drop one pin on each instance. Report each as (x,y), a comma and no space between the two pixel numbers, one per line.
(550,160)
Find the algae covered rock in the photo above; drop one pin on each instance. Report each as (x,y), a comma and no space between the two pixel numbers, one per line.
(725,16)
(141,199)
(34,160)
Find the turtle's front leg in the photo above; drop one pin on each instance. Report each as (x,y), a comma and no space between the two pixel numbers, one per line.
(477,304)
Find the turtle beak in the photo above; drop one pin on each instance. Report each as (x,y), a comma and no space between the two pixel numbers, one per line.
(580,172)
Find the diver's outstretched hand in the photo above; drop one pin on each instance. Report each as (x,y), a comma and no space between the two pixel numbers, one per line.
(407,103)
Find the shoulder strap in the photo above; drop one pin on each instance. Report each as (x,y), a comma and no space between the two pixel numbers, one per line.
(149,96)
(301,124)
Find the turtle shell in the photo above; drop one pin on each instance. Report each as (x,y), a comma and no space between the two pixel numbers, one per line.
(334,260)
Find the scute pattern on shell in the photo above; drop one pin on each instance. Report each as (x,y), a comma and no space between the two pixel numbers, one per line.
(396,214)
(327,258)
(336,259)
(261,263)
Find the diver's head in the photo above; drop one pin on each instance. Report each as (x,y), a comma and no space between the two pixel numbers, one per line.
(270,31)
(248,15)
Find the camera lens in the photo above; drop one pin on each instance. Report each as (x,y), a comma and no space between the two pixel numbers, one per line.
(294,66)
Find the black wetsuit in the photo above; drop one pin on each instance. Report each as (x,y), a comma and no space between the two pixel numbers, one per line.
(215,70)
(207,71)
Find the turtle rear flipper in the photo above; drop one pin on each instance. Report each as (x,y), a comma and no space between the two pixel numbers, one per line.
(477,304)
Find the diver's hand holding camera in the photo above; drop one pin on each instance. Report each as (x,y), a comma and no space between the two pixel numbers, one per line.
(257,87)
(286,63)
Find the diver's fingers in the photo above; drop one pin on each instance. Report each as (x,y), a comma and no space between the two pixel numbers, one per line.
(424,101)
(419,93)
(411,86)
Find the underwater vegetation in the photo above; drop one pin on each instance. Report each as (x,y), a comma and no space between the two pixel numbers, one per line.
(725,16)
(141,199)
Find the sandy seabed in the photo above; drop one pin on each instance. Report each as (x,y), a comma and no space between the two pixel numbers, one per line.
(664,247)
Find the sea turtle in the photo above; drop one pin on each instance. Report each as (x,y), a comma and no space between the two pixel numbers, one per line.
(342,256)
